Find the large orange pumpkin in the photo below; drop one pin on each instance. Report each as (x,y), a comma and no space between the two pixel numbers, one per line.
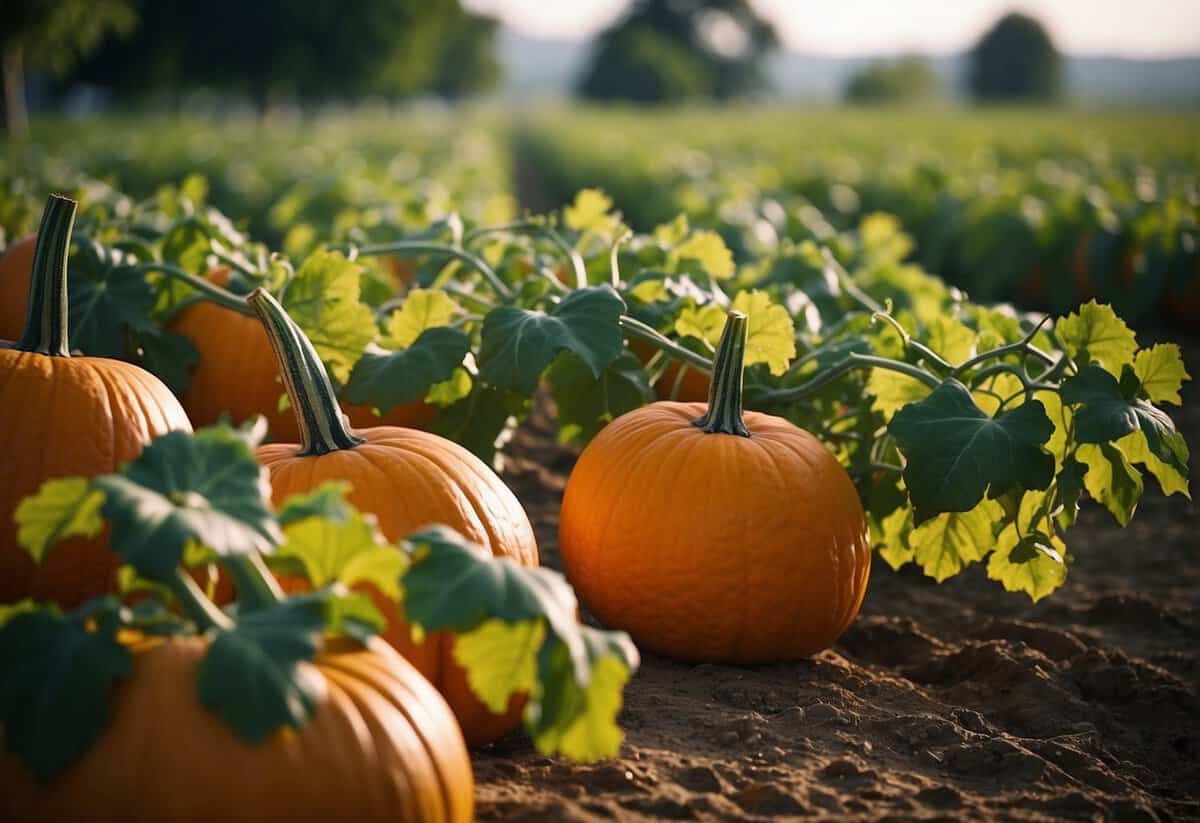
(408,479)
(381,746)
(64,416)
(15,266)
(237,374)
(709,536)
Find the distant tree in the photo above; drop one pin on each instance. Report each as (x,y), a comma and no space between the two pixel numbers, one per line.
(51,35)
(306,50)
(1015,60)
(906,80)
(665,50)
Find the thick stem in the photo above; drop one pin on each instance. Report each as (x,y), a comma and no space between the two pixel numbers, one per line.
(46,322)
(783,397)
(323,427)
(257,587)
(724,415)
(198,608)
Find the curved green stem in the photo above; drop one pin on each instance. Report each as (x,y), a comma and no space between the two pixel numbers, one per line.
(916,345)
(614,266)
(853,361)
(47,329)
(1024,345)
(198,608)
(849,286)
(636,328)
(211,291)
(724,414)
(257,587)
(536,227)
(323,427)
(421,246)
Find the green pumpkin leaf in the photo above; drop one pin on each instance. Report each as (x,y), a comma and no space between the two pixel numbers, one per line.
(450,391)
(1161,372)
(57,674)
(454,585)
(701,322)
(385,379)
(950,338)
(10,610)
(61,508)
(589,212)
(253,675)
(423,309)
(1108,411)
(586,403)
(955,453)
(1095,334)
(348,552)
(168,356)
(707,250)
(204,487)
(1111,480)
(500,659)
(327,501)
(770,334)
(518,344)
(1033,564)
(897,527)
(891,391)
(1137,450)
(480,422)
(324,301)
(105,304)
(944,545)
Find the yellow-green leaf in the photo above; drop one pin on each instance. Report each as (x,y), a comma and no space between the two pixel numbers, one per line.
(1137,450)
(770,336)
(346,552)
(1000,387)
(323,299)
(669,234)
(500,659)
(1095,334)
(897,528)
(1020,566)
(948,543)
(709,250)
(892,391)
(1161,372)
(1111,479)
(422,309)
(589,212)
(703,322)
(595,733)
(449,392)
(952,339)
(61,508)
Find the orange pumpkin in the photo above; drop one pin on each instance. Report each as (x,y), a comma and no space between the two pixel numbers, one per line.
(381,746)
(408,479)
(63,416)
(15,266)
(693,386)
(712,536)
(237,374)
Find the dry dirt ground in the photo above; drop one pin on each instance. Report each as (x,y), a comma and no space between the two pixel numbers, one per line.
(957,701)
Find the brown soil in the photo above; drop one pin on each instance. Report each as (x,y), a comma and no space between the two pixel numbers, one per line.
(958,701)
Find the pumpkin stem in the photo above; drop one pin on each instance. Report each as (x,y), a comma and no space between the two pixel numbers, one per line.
(46,330)
(724,415)
(323,427)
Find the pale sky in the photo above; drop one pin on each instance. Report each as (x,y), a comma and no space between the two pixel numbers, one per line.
(1130,28)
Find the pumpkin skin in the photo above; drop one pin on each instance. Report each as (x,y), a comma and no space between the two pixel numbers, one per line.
(62,416)
(715,546)
(381,746)
(15,266)
(409,479)
(237,374)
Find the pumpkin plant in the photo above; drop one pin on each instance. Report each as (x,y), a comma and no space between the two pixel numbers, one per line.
(406,478)
(673,527)
(201,499)
(66,415)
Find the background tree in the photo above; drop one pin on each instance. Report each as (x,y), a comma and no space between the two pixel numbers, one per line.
(51,35)
(665,50)
(906,80)
(1015,60)
(302,50)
